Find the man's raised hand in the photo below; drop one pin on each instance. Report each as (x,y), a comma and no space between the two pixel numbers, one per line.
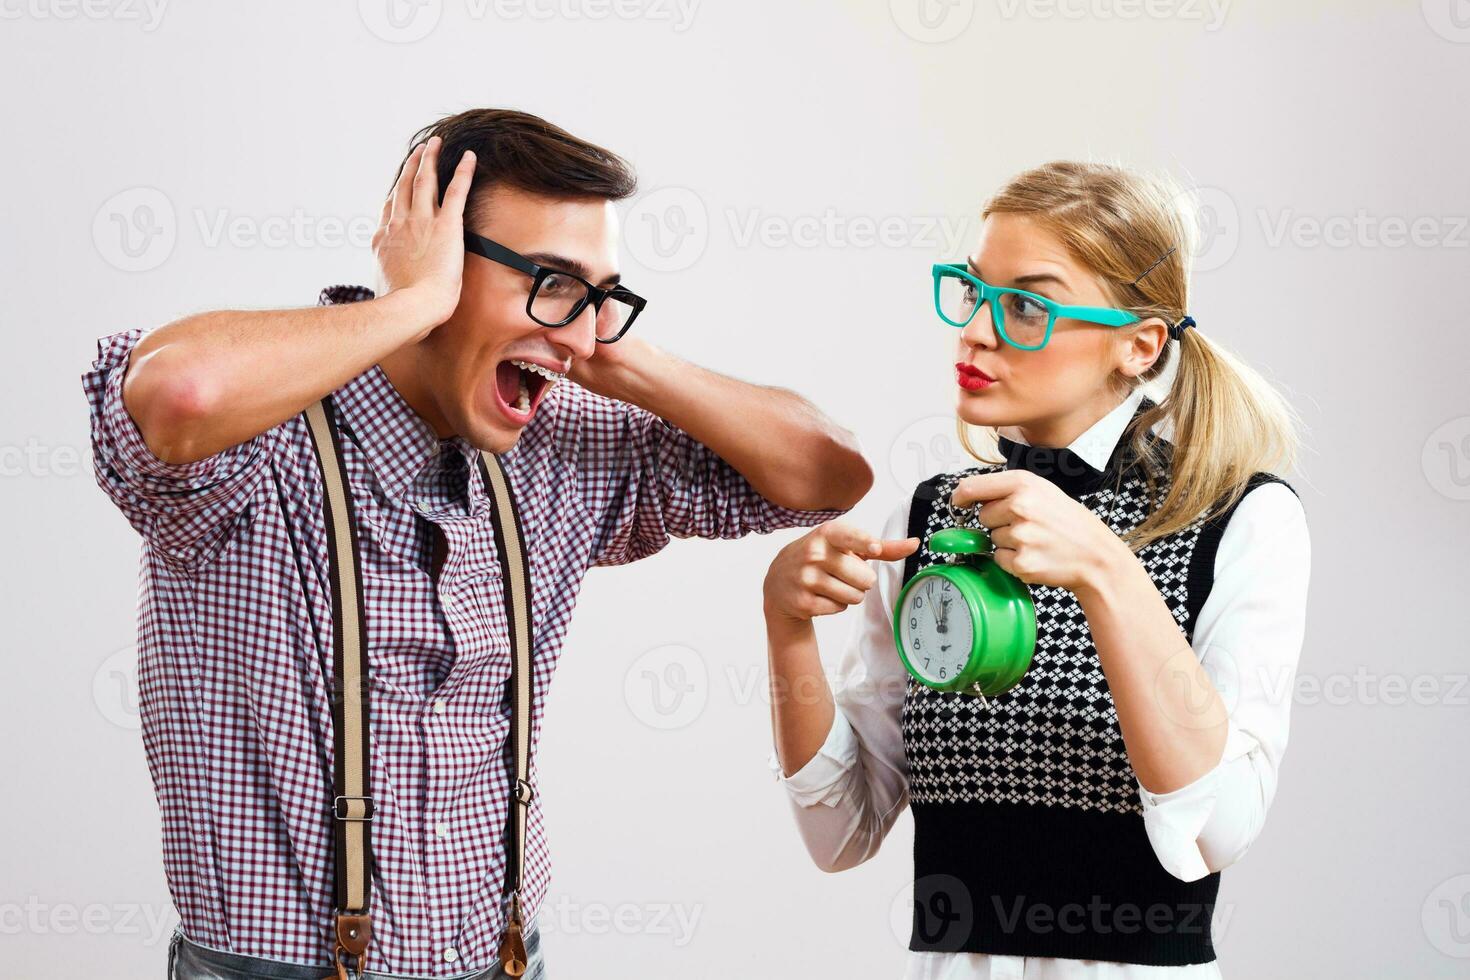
(419,243)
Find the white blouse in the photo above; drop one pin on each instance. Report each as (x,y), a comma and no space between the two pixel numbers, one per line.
(1248,636)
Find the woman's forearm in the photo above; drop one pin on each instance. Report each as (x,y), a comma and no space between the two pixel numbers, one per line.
(801,700)
(1172,719)
(207,382)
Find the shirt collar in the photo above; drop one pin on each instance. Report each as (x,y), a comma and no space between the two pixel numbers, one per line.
(1095,446)
(398,443)
(1084,465)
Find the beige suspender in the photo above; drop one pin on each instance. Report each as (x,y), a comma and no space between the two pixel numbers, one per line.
(352,804)
(517,581)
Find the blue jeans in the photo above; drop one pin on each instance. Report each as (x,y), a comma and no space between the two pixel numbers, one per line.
(187,960)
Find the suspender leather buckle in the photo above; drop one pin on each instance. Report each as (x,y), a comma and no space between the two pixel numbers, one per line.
(353,808)
(354,930)
(513,959)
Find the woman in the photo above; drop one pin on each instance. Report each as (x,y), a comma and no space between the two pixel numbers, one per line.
(1075,825)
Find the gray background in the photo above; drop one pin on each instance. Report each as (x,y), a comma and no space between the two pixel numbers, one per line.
(166,160)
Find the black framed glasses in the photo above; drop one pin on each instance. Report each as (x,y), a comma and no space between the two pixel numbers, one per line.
(557,297)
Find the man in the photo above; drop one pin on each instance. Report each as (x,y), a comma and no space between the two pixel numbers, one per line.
(517,347)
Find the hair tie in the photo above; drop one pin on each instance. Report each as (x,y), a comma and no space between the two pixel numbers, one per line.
(1177,330)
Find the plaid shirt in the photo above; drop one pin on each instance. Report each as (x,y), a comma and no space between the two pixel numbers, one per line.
(235,648)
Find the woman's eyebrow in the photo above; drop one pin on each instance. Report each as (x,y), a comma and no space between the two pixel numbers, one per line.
(1039,277)
(1022,281)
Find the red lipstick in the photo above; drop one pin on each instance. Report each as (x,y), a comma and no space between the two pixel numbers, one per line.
(972,378)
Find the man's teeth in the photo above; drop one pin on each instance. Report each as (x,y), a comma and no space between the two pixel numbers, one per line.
(523,396)
(523,393)
(550,375)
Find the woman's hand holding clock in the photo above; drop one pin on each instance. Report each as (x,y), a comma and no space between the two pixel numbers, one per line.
(1041,535)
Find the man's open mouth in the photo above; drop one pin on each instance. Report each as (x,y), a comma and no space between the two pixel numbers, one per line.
(521,385)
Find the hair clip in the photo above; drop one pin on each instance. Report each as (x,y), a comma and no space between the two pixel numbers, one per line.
(1151,268)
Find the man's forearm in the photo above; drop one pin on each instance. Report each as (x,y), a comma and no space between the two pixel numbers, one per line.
(789,451)
(207,382)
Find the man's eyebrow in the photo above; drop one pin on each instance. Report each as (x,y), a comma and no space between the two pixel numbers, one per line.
(564,263)
(559,262)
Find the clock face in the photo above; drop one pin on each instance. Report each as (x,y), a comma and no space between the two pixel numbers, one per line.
(936,629)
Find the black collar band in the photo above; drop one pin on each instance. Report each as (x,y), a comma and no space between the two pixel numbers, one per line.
(1070,472)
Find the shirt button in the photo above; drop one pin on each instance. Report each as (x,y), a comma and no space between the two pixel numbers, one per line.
(450,954)
(440,707)
(424,507)
(442,829)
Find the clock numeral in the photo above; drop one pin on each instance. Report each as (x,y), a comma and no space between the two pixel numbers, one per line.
(918,602)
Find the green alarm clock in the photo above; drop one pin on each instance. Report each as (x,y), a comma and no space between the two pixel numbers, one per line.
(965,624)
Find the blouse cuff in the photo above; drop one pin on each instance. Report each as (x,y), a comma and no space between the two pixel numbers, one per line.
(822,779)
(1175,820)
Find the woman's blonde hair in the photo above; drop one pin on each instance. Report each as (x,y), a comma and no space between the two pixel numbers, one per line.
(1226,421)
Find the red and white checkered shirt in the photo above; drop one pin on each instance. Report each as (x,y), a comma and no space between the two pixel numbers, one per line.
(235,648)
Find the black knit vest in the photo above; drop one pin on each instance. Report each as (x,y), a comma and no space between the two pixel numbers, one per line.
(1028,831)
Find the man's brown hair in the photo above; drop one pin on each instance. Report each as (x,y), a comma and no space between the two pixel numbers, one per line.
(520,150)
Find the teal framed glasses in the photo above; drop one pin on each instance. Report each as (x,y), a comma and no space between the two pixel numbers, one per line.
(1021,319)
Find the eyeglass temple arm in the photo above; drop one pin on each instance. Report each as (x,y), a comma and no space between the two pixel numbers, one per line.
(496,252)
(1105,315)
